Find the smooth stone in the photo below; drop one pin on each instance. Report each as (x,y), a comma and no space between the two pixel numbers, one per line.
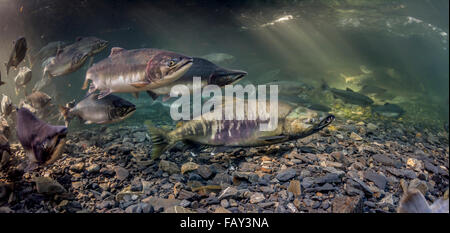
(347,204)
(286,175)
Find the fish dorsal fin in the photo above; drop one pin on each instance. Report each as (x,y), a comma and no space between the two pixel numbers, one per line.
(116,50)
(78,38)
(348,89)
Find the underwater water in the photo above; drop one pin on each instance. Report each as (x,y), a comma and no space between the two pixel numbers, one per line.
(398,50)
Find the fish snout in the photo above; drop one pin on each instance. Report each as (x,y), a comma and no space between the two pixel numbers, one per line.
(222,77)
(325,122)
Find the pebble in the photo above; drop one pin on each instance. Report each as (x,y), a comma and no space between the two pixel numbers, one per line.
(355,136)
(189,166)
(121,173)
(205,172)
(256,198)
(347,205)
(224,203)
(378,179)
(286,175)
(294,187)
(93,168)
(228,192)
(169,167)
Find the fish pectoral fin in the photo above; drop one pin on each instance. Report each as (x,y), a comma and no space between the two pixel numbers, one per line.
(152,95)
(88,122)
(136,95)
(274,138)
(104,93)
(139,84)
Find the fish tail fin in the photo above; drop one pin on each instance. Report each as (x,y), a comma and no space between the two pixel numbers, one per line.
(413,201)
(161,141)
(64,114)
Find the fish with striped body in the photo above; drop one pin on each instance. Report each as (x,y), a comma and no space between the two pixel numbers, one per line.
(293,123)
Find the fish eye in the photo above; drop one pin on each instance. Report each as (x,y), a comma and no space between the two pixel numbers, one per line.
(172,62)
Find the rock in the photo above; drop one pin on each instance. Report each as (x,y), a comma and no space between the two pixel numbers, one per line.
(294,188)
(402,172)
(77,185)
(420,185)
(430,167)
(161,203)
(47,185)
(347,205)
(328,178)
(169,167)
(378,179)
(325,188)
(177,209)
(93,168)
(186,195)
(387,200)
(78,167)
(307,182)
(228,192)
(205,171)
(355,136)
(224,203)
(359,184)
(221,178)
(222,210)
(414,164)
(189,166)
(286,175)
(121,173)
(134,209)
(185,203)
(256,198)
(250,176)
(385,160)
(340,173)
(371,127)
(291,207)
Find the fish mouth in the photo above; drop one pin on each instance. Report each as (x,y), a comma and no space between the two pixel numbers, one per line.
(187,61)
(325,122)
(224,77)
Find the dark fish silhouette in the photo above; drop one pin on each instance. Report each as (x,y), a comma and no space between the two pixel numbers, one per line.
(210,74)
(349,96)
(43,143)
(388,110)
(18,53)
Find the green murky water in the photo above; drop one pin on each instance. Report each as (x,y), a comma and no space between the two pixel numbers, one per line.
(399,46)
